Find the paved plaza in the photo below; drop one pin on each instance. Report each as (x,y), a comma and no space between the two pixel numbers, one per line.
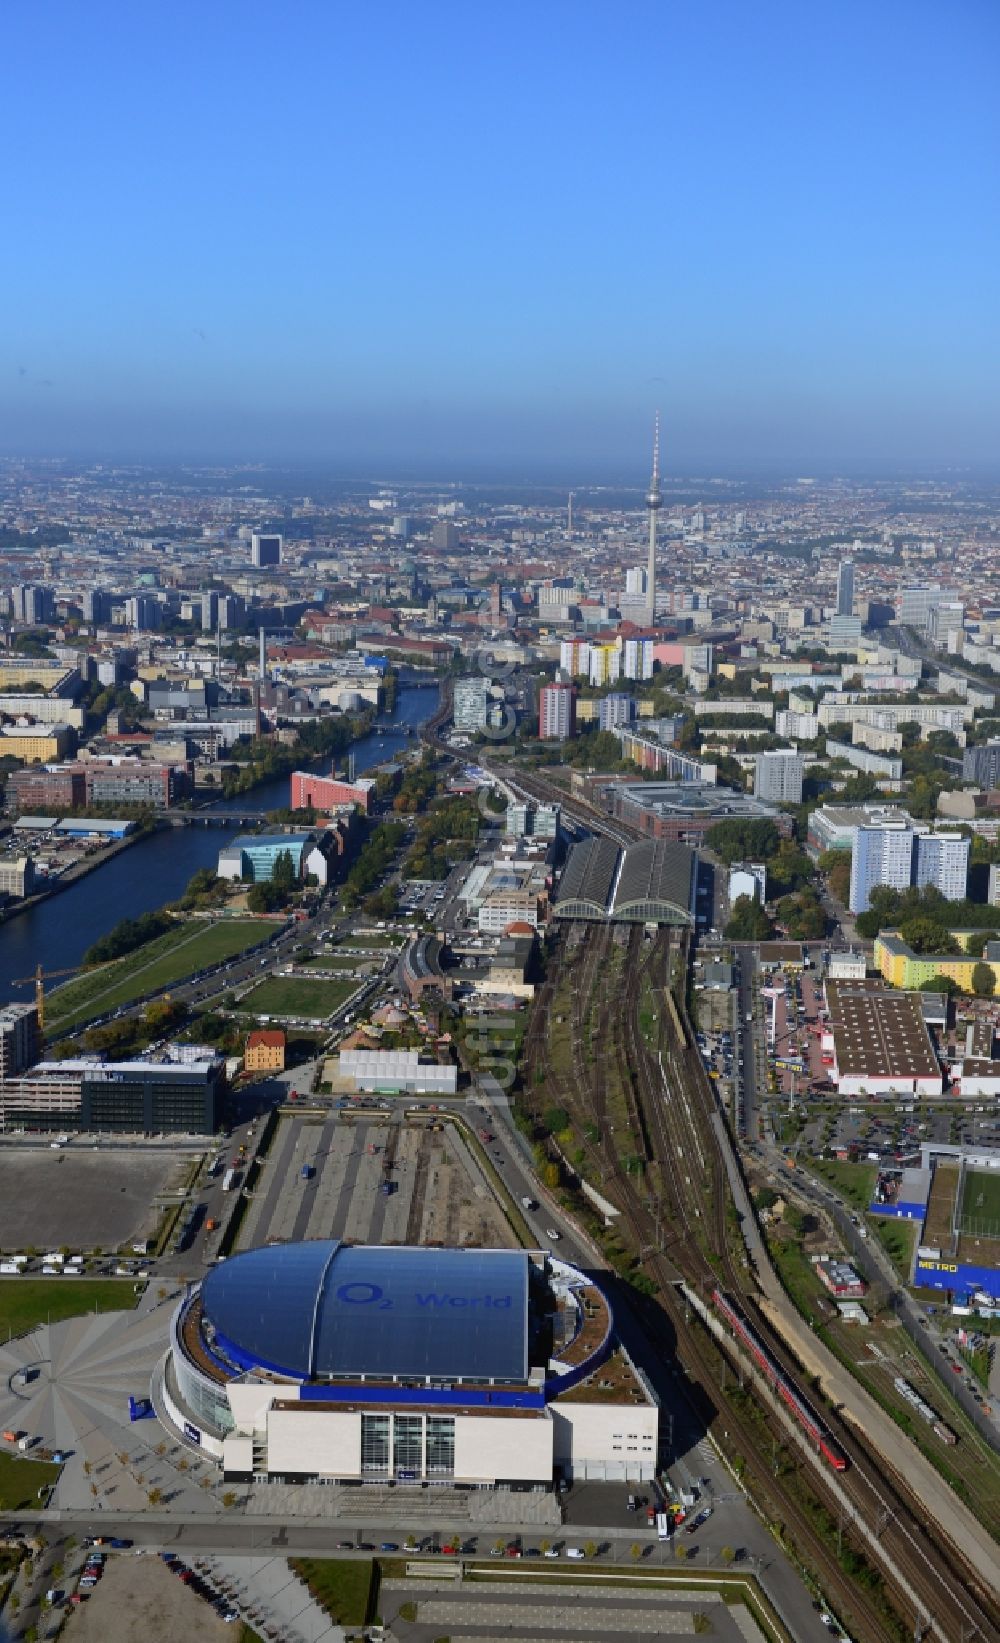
(489,1610)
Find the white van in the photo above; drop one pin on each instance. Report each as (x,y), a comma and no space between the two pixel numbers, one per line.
(576,1552)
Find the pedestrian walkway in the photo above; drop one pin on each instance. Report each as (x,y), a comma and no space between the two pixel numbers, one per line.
(273,1600)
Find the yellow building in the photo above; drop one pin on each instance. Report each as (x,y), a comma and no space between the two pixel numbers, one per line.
(37,744)
(898,964)
(265,1051)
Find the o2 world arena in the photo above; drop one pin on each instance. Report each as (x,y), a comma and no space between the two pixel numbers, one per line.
(331,1362)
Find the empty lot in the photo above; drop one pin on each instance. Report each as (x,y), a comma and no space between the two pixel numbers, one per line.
(80,1198)
(138,1600)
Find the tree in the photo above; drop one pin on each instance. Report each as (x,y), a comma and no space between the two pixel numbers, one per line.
(925,936)
(983,980)
(940,984)
(555,1119)
(590,1548)
(635,1551)
(749,921)
(154,1496)
(264,898)
(727,1554)
(283,871)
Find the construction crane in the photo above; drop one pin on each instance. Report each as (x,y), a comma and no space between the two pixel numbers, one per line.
(38,981)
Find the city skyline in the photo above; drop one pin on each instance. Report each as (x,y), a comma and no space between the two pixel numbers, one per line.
(496,242)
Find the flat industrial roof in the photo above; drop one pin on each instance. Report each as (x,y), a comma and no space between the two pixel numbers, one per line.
(879,1034)
(324,1309)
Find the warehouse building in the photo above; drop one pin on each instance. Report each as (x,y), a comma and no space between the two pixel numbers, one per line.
(324,1362)
(395,1071)
(877,1042)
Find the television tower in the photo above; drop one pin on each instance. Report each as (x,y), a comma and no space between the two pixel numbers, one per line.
(654,502)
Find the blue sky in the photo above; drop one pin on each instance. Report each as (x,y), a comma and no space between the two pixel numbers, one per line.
(493,232)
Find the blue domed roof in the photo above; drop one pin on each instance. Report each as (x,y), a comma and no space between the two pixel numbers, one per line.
(322,1309)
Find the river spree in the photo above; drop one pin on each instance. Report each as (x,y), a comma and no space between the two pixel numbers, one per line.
(58,931)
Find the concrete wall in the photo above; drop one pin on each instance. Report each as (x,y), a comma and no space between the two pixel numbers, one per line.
(613,1441)
(306,1441)
(494,1448)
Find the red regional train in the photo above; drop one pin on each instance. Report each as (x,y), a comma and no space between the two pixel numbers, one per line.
(786,1389)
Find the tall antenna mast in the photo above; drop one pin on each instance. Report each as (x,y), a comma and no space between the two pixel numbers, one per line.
(654,502)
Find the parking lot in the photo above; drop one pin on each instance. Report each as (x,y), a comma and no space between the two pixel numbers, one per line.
(82,1197)
(436,1194)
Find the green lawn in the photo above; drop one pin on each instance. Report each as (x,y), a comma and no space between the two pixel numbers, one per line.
(334,961)
(343,1587)
(26,1302)
(178,953)
(897,1238)
(20,1481)
(854,1182)
(297,996)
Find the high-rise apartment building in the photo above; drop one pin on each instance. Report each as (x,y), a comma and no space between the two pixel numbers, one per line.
(557,712)
(778,775)
(899,856)
(616,709)
(605,664)
(845,588)
(574,656)
(470,704)
(982,764)
(265,549)
(637,659)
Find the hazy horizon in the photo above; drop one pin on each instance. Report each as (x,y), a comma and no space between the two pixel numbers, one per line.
(459,238)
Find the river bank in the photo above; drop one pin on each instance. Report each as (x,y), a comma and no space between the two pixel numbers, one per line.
(57,929)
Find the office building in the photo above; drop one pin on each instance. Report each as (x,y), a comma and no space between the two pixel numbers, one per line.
(182,1095)
(982,764)
(310,791)
(469,704)
(444,535)
(41,791)
(556,712)
(209,612)
(778,776)
(252,856)
(33,605)
(914,605)
(944,620)
(265,549)
(845,588)
(142,613)
(993,893)
(532,821)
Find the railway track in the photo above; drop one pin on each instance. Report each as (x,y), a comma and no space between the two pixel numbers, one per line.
(674,1110)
